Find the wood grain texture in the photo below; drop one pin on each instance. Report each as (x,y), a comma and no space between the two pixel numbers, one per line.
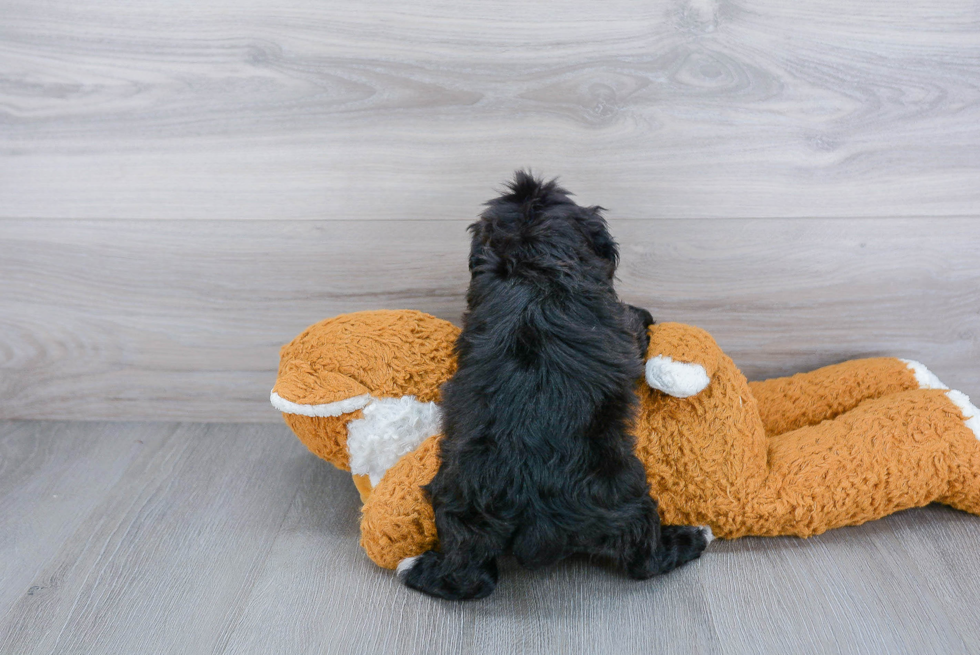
(673,108)
(183,319)
(46,491)
(234,539)
(162,562)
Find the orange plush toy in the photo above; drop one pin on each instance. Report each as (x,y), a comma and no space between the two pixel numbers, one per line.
(798,455)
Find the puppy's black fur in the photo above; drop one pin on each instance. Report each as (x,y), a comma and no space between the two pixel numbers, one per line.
(537,458)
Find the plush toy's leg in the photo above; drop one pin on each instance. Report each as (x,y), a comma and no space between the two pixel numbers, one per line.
(804,399)
(363,484)
(397,521)
(902,450)
(964,484)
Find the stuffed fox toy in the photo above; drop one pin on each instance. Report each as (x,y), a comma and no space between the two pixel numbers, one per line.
(798,455)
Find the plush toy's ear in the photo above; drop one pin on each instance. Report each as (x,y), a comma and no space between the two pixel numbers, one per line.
(304,391)
(317,406)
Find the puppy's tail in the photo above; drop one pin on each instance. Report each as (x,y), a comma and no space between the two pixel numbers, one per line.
(433,573)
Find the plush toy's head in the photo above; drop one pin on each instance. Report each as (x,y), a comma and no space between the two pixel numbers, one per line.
(360,389)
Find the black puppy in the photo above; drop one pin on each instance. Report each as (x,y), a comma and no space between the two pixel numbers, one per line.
(537,457)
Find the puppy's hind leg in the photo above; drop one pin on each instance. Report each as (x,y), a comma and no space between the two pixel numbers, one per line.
(656,549)
(643,548)
(464,567)
(436,574)
(679,544)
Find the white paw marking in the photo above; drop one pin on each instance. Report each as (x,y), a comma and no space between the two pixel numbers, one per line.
(926,378)
(709,536)
(391,427)
(969,410)
(676,379)
(405,566)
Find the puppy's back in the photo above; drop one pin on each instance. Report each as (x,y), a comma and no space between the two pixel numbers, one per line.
(547,350)
(537,457)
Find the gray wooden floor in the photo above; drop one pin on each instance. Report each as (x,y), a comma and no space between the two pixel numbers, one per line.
(231,538)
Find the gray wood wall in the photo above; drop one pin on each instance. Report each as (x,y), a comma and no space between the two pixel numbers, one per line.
(184,186)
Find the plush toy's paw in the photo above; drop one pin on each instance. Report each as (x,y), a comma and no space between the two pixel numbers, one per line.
(676,378)
(970,412)
(397,521)
(926,378)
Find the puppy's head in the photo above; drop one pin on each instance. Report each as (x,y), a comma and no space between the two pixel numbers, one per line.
(536,232)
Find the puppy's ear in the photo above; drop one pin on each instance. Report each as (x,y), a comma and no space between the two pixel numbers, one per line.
(477,244)
(602,242)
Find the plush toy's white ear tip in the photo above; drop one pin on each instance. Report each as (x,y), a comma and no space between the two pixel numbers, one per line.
(709,536)
(676,379)
(405,566)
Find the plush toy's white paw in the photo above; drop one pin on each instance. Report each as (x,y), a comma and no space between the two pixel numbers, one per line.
(970,411)
(676,378)
(709,536)
(405,566)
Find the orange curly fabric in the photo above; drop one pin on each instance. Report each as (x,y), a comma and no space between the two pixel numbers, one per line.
(881,449)
(807,398)
(791,456)
(684,343)
(384,353)
(389,353)
(397,519)
(326,437)
(717,471)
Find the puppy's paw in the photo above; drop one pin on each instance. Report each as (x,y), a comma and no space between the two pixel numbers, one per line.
(676,378)
(405,566)
(708,535)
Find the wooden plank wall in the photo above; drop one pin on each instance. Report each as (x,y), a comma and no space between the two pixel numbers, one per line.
(185,185)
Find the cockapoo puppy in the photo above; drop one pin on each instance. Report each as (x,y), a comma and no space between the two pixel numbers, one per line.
(537,457)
